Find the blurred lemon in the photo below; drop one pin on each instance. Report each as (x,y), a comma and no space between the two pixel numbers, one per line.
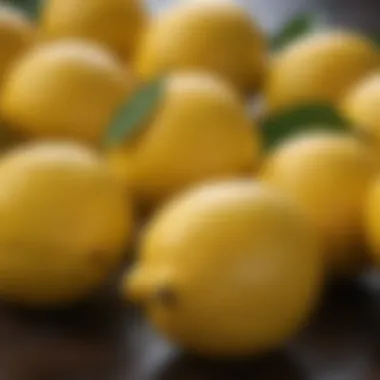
(64,221)
(361,108)
(319,68)
(199,131)
(16,35)
(117,24)
(372,212)
(217,36)
(66,89)
(227,269)
(328,175)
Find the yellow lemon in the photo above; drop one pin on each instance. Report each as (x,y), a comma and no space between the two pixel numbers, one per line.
(318,68)
(361,107)
(64,221)
(117,24)
(199,131)
(372,209)
(227,269)
(66,89)
(328,175)
(16,35)
(217,36)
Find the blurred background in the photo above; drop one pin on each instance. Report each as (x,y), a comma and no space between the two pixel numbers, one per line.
(273,13)
(362,15)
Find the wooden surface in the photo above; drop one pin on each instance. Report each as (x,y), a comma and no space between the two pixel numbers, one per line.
(106,340)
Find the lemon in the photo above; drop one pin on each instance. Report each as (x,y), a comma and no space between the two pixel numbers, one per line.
(216,36)
(199,131)
(318,68)
(328,175)
(117,24)
(16,35)
(64,221)
(361,109)
(227,269)
(372,220)
(67,89)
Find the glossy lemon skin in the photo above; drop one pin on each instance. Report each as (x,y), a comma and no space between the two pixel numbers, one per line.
(227,269)
(199,131)
(328,175)
(318,68)
(67,89)
(64,223)
(215,36)
(116,24)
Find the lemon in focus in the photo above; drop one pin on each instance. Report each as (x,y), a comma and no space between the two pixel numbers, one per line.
(116,24)
(215,36)
(328,175)
(198,131)
(64,222)
(227,269)
(67,89)
(318,68)
(16,35)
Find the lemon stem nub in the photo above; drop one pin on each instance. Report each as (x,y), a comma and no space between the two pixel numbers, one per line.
(166,296)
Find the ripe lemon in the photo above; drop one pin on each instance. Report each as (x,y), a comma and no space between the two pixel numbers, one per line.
(16,35)
(66,89)
(318,68)
(328,175)
(64,220)
(372,212)
(217,36)
(116,24)
(199,131)
(227,269)
(361,107)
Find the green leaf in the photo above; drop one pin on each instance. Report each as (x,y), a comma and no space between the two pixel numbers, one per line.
(301,119)
(375,40)
(295,28)
(31,7)
(132,115)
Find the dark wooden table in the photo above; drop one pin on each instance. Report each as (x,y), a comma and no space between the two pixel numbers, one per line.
(107,340)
